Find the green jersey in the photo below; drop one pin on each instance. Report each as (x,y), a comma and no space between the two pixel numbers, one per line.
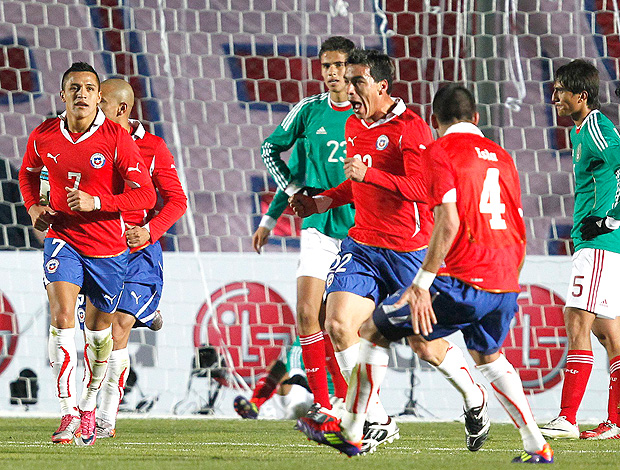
(596,163)
(316,161)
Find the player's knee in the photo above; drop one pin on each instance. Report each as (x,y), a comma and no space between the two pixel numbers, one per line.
(62,317)
(338,330)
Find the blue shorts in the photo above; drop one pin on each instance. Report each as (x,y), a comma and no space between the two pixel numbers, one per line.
(483,317)
(372,272)
(143,284)
(101,279)
(143,287)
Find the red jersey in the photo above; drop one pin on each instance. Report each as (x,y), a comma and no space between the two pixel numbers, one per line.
(159,163)
(98,163)
(476,173)
(386,212)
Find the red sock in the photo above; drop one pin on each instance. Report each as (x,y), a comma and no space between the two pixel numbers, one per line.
(340,385)
(576,374)
(614,389)
(313,354)
(267,385)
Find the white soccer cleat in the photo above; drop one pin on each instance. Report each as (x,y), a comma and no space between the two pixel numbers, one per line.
(104,429)
(560,428)
(378,434)
(68,429)
(605,430)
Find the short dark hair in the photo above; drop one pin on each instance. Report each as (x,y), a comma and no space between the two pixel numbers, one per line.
(578,76)
(454,103)
(380,65)
(78,67)
(337,43)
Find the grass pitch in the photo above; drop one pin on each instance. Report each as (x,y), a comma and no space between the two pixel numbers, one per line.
(256,445)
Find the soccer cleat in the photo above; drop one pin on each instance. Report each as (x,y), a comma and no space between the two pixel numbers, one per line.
(317,419)
(606,430)
(104,429)
(377,434)
(477,424)
(68,429)
(560,428)
(88,429)
(157,322)
(542,456)
(330,434)
(245,408)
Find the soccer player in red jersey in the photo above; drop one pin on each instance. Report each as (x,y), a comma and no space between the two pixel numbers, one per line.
(479,233)
(89,159)
(144,280)
(386,246)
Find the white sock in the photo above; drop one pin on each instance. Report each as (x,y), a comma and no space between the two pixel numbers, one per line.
(113,387)
(96,354)
(347,360)
(509,391)
(363,389)
(63,359)
(454,368)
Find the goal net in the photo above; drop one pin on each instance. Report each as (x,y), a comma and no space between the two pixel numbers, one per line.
(215,77)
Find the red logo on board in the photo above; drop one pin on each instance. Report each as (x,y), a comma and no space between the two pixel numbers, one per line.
(537,345)
(252,320)
(8,332)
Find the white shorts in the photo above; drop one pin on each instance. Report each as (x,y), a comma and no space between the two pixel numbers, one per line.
(292,406)
(593,283)
(318,253)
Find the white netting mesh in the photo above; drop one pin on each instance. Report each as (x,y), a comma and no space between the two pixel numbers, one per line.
(216,76)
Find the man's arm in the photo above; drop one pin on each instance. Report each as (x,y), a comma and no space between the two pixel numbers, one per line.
(166,180)
(417,295)
(283,138)
(592,226)
(416,137)
(29,181)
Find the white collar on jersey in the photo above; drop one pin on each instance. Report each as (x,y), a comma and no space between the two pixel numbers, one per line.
(590,116)
(464,128)
(99,119)
(138,131)
(396,111)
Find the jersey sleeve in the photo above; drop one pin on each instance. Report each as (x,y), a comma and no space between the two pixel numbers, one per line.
(340,195)
(282,139)
(166,180)
(297,166)
(416,137)
(611,155)
(439,177)
(29,173)
(131,167)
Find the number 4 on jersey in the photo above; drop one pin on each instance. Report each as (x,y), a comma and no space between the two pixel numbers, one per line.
(490,202)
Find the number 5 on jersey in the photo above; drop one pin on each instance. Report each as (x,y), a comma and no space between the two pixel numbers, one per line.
(490,202)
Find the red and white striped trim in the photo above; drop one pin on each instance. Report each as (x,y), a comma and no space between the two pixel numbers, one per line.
(614,367)
(310,339)
(582,358)
(595,282)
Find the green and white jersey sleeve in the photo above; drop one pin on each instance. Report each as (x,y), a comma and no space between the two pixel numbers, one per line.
(596,163)
(292,128)
(297,166)
(321,126)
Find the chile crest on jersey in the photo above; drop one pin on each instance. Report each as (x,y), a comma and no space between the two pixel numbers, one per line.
(97,160)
